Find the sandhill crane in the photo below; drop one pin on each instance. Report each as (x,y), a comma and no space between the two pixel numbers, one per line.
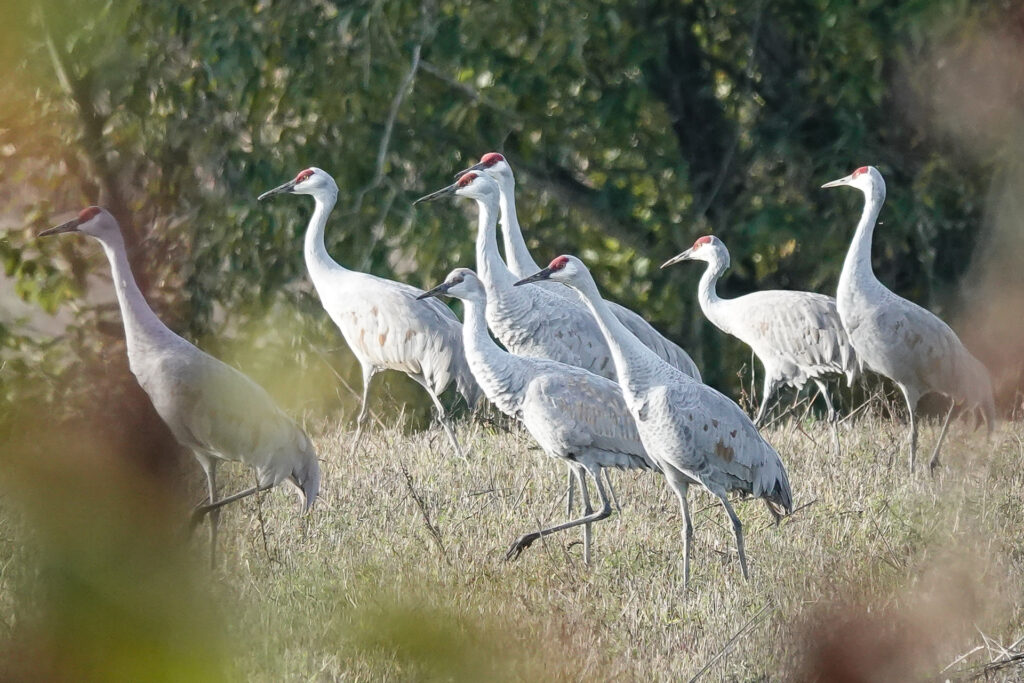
(574,415)
(897,338)
(380,319)
(521,263)
(210,407)
(691,431)
(796,335)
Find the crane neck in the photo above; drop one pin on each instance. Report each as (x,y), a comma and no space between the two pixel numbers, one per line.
(635,364)
(495,370)
(318,261)
(857,273)
(517,255)
(142,327)
(707,290)
(491,269)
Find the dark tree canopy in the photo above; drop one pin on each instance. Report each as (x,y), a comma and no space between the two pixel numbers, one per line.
(634,127)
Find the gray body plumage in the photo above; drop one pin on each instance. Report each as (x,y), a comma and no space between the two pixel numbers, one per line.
(387,329)
(220,414)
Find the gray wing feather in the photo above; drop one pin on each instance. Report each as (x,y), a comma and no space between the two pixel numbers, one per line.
(798,333)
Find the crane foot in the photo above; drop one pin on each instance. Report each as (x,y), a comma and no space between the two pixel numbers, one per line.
(519,546)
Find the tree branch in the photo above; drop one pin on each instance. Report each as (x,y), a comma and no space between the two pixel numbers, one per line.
(93,145)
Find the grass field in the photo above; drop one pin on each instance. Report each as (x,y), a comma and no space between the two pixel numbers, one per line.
(399,571)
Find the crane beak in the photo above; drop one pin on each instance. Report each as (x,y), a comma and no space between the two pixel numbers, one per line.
(70,226)
(685,256)
(836,183)
(543,274)
(280,189)
(475,167)
(437,195)
(440,290)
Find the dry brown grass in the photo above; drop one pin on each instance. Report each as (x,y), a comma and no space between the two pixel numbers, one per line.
(878,576)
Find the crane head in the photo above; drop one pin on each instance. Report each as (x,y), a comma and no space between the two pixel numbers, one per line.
(91,220)
(473,185)
(707,248)
(494,165)
(564,268)
(865,179)
(312,181)
(461,283)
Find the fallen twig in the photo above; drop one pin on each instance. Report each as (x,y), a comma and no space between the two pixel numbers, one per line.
(435,534)
(731,641)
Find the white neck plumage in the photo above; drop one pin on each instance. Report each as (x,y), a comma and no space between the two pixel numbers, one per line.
(490,268)
(141,325)
(707,292)
(517,254)
(857,273)
(318,261)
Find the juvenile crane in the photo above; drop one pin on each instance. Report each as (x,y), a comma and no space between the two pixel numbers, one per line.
(897,338)
(521,263)
(380,319)
(575,415)
(211,408)
(691,431)
(796,335)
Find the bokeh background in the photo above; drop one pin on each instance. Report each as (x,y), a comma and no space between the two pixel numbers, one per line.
(633,127)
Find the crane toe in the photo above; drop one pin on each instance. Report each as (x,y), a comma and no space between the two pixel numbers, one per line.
(516,549)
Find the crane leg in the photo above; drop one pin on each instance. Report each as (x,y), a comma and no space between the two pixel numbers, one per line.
(611,490)
(203,510)
(942,435)
(912,409)
(588,509)
(442,417)
(681,486)
(833,417)
(364,410)
(524,542)
(737,530)
(209,466)
(767,398)
(572,492)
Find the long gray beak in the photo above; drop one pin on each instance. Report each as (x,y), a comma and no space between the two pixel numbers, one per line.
(475,167)
(845,180)
(543,274)
(70,226)
(437,195)
(280,189)
(684,256)
(440,290)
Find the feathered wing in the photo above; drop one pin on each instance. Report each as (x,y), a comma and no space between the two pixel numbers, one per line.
(578,413)
(229,416)
(385,325)
(799,332)
(929,349)
(718,445)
